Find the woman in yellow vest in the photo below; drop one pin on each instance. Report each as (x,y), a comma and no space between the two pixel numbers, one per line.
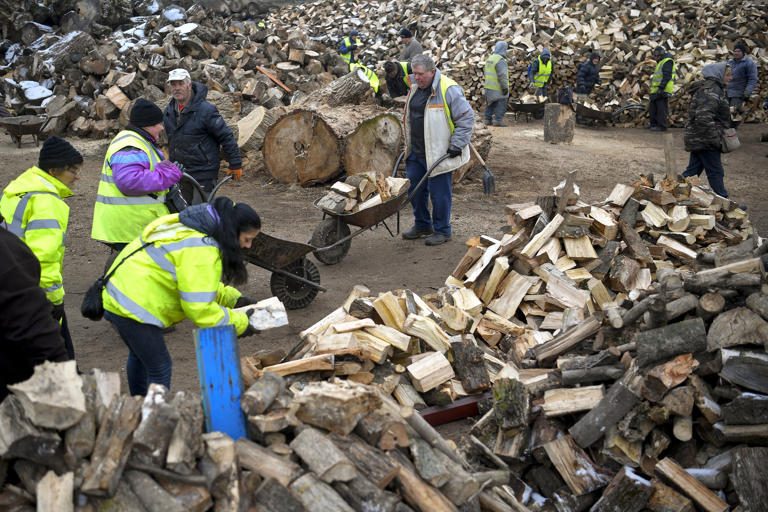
(33,208)
(173,271)
(134,179)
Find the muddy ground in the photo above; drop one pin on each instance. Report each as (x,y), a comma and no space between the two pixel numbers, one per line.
(524,165)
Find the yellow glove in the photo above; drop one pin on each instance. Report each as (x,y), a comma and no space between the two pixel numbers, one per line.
(235,173)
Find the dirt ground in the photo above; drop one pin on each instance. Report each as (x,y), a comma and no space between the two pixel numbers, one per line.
(525,166)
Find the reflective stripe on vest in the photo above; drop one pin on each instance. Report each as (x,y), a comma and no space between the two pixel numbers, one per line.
(658,76)
(542,75)
(489,71)
(142,314)
(347,43)
(406,74)
(16,227)
(118,218)
(159,253)
(445,83)
(372,77)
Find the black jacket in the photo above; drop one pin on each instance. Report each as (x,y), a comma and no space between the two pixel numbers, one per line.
(28,333)
(195,136)
(708,116)
(396,86)
(587,77)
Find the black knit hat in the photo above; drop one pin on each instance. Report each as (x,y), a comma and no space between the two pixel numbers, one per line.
(145,113)
(58,153)
(741,46)
(404,32)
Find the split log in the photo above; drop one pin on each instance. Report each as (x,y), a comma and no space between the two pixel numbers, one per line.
(546,352)
(511,403)
(758,303)
(151,495)
(746,409)
(264,462)
(56,493)
(271,497)
(575,467)
(317,496)
(618,401)
(671,340)
(371,462)
(689,486)
(383,431)
(186,443)
(558,402)
(429,372)
(559,123)
(336,408)
(323,457)
(739,326)
(749,476)
(746,369)
(666,499)
(417,492)
(469,365)
(628,492)
(252,129)
(260,396)
(153,435)
(361,494)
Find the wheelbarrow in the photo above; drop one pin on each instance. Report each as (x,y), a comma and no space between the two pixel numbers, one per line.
(584,112)
(295,280)
(535,110)
(332,237)
(19,126)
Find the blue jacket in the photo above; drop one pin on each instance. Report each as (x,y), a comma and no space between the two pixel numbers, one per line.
(744,78)
(587,77)
(195,135)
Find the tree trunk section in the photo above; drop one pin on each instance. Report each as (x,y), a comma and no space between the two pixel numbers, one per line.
(350,89)
(671,340)
(749,476)
(559,123)
(252,129)
(373,145)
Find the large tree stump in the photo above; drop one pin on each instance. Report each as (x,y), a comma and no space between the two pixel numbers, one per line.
(559,123)
(351,89)
(310,146)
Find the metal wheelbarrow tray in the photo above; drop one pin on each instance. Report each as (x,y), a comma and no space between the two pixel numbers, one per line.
(23,125)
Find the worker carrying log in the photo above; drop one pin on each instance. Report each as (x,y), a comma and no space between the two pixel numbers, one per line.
(349,45)
(397,75)
(34,208)
(438,121)
(540,72)
(662,87)
(742,86)
(29,335)
(135,178)
(196,131)
(411,47)
(496,75)
(173,271)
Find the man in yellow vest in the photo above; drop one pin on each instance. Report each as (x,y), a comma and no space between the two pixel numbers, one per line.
(135,177)
(662,87)
(540,71)
(496,85)
(34,210)
(398,81)
(349,45)
(438,121)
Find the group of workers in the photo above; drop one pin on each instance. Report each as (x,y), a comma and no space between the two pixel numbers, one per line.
(164,266)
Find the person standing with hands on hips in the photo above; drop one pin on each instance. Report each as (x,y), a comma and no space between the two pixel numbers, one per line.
(196,131)
(438,121)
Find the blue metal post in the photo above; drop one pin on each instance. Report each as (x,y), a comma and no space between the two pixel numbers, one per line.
(221,384)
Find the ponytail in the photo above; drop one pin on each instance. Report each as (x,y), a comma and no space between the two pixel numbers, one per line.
(234,219)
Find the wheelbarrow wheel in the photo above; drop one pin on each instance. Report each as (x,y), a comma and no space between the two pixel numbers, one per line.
(295,294)
(328,232)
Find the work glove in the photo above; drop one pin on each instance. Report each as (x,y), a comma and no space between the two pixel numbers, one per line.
(453,152)
(58,312)
(505,92)
(244,301)
(235,173)
(250,330)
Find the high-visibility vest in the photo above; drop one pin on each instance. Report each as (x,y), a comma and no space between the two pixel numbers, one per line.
(347,56)
(658,76)
(373,78)
(34,211)
(542,75)
(118,218)
(176,276)
(406,73)
(491,77)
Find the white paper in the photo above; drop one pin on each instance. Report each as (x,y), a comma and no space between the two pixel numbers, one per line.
(269,314)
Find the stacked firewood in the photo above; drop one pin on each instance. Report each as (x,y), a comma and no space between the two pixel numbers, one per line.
(623,341)
(75,442)
(361,191)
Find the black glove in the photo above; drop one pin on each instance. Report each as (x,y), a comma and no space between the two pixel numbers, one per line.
(505,92)
(453,152)
(250,330)
(244,301)
(58,312)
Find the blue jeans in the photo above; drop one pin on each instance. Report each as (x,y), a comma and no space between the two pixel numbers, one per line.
(495,110)
(438,189)
(148,358)
(709,161)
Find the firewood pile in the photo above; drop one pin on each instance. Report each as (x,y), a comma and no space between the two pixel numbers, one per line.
(362,191)
(624,343)
(460,35)
(314,446)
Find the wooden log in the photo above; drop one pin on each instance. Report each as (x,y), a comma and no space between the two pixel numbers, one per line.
(511,293)
(347,90)
(323,457)
(153,435)
(260,396)
(748,478)
(758,303)
(56,493)
(429,372)
(373,144)
(628,492)
(152,496)
(406,395)
(252,128)
(428,465)
(469,365)
(746,409)
(618,401)
(511,403)
(558,402)
(371,462)
(666,499)
(750,434)
(548,351)
(636,247)
(575,467)
(418,493)
(711,305)
(335,407)
(265,463)
(689,486)
(361,494)
(745,368)
(53,396)
(538,241)
(687,336)
(588,375)
(390,311)
(272,496)
(738,326)
(186,444)
(383,431)
(317,496)
(559,123)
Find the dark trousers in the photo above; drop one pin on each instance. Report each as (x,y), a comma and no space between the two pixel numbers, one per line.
(437,189)
(64,330)
(495,111)
(711,162)
(659,111)
(148,359)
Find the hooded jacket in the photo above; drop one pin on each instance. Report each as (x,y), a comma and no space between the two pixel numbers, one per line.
(33,208)
(587,77)
(196,133)
(744,80)
(28,333)
(177,276)
(502,74)
(708,114)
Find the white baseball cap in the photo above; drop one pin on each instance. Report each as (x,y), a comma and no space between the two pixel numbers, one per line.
(178,74)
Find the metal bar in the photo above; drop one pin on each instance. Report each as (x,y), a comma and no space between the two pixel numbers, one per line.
(462,408)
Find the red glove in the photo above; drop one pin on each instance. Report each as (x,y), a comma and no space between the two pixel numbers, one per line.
(235,173)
